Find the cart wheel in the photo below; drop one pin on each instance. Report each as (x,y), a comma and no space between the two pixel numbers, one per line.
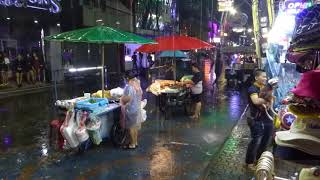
(118,135)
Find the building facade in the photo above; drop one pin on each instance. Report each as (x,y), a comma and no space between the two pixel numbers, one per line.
(23,24)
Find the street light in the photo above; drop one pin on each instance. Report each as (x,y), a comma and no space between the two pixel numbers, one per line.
(233,11)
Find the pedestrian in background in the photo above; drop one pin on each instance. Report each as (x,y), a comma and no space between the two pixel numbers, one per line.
(38,65)
(149,58)
(4,68)
(29,69)
(134,59)
(18,67)
(140,60)
(196,90)
(261,127)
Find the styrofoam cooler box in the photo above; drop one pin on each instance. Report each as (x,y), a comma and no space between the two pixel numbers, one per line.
(107,120)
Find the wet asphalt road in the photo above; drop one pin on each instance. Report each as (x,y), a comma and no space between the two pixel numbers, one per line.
(176,148)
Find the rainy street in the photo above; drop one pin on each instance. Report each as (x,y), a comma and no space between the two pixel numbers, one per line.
(172,148)
(159,89)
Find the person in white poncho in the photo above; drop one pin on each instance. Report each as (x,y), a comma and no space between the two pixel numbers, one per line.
(131,100)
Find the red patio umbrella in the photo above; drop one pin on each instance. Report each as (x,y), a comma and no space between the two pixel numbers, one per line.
(173,43)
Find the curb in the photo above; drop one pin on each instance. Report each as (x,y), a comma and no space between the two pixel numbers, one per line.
(206,171)
(31,90)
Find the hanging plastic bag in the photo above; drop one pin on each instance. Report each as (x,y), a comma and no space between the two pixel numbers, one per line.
(144,103)
(67,129)
(143,115)
(81,131)
(94,131)
(143,111)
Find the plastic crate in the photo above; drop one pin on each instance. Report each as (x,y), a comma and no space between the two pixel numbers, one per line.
(88,105)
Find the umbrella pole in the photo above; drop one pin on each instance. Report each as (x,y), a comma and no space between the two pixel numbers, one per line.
(102,70)
(174,67)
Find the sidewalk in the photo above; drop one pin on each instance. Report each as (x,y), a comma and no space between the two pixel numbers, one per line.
(26,89)
(229,163)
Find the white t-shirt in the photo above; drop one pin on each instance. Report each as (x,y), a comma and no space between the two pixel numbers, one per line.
(6,61)
(197,80)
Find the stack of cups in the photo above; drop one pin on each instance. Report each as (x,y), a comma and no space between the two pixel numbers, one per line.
(265,166)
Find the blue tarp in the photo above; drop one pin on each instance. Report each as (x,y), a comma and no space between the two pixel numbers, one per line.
(178,54)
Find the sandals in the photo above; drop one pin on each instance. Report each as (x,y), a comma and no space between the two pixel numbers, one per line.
(130,147)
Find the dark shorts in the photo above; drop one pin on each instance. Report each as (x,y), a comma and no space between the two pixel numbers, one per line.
(196,98)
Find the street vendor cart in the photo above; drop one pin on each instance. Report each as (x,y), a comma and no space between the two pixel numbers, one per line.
(88,119)
(170,95)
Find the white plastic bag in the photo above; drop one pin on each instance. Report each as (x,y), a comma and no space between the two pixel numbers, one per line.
(143,115)
(117,92)
(94,132)
(67,130)
(144,103)
(143,111)
(81,131)
(82,134)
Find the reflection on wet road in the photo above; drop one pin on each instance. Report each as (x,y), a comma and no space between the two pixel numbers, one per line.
(176,148)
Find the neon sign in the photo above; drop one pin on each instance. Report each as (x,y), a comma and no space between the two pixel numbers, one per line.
(296,6)
(53,6)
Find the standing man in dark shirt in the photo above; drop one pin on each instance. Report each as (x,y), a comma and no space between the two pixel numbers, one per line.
(30,69)
(261,127)
(149,58)
(134,61)
(196,90)
(140,59)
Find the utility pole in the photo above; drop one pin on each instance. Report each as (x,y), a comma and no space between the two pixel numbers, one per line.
(270,11)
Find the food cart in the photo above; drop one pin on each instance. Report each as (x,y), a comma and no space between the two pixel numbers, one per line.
(170,95)
(88,119)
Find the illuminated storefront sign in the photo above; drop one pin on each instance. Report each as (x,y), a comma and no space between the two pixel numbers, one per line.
(296,6)
(52,6)
(225,5)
